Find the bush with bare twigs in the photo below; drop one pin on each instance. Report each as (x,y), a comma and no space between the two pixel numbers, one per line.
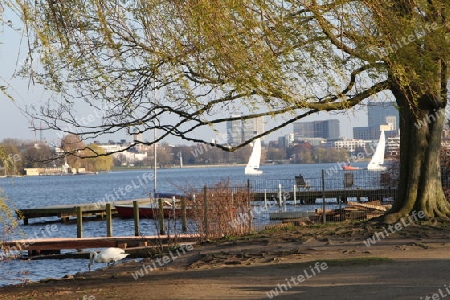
(216,209)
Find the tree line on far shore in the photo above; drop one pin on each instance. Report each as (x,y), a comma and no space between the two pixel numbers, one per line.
(15,155)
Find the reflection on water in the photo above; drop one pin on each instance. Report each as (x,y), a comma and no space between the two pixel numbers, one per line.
(20,271)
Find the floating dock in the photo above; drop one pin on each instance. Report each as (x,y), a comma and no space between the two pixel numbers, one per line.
(65,212)
(55,245)
(310,196)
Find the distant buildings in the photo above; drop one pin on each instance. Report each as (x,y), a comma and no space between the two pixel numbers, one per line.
(365,133)
(379,114)
(240,130)
(349,144)
(127,157)
(327,129)
(285,140)
(326,133)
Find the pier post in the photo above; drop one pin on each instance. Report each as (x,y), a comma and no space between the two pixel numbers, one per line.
(265,198)
(161,216)
(79,222)
(324,214)
(183,215)
(279,195)
(108,220)
(137,230)
(295,195)
(174,211)
(205,211)
(249,207)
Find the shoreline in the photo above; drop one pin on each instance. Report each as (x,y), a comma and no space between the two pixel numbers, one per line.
(262,264)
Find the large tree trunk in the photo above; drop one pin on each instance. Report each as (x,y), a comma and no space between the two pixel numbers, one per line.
(420,187)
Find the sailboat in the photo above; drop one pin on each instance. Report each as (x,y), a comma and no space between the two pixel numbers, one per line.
(252,167)
(376,164)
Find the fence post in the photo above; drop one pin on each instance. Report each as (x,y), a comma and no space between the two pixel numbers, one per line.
(79,222)
(108,220)
(279,195)
(295,195)
(136,218)
(174,211)
(265,198)
(161,216)
(205,211)
(183,215)
(249,206)
(324,215)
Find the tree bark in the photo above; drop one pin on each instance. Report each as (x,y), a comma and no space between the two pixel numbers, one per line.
(420,186)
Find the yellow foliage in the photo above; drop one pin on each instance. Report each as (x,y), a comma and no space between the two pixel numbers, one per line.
(94,159)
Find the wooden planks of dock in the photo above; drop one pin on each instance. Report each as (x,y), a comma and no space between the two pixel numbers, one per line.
(54,245)
(310,196)
(65,212)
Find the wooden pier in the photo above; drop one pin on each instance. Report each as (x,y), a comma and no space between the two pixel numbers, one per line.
(106,211)
(65,212)
(98,210)
(311,196)
(54,245)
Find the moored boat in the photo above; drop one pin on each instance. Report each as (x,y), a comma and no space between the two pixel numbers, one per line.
(127,211)
(152,210)
(350,168)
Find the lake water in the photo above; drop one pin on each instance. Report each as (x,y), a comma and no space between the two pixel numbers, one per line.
(40,191)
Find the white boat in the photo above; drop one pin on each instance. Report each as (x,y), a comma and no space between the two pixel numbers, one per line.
(252,167)
(376,164)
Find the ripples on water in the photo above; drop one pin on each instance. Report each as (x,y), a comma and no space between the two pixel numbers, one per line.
(40,191)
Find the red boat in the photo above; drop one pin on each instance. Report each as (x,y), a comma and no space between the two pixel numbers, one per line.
(350,168)
(126,211)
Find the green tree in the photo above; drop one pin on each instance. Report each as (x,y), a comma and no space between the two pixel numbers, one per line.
(276,154)
(176,65)
(303,153)
(37,156)
(10,159)
(93,158)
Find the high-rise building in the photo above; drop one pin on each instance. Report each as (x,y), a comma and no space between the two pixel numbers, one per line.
(303,129)
(391,121)
(285,140)
(378,111)
(326,129)
(240,130)
(364,133)
(234,131)
(382,113)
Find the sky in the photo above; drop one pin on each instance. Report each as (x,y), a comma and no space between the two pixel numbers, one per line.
(14,124)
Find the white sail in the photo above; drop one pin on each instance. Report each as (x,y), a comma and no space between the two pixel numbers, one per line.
(376,164)
(254,160)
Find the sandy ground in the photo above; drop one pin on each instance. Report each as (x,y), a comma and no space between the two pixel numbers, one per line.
(318,262)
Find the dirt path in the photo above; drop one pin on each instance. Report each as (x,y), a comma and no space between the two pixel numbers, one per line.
(330,262)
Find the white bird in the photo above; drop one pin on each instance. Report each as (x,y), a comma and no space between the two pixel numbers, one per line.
(108,256)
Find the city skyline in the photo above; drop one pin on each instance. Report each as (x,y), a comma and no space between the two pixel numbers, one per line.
(19,127)
(11,117)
